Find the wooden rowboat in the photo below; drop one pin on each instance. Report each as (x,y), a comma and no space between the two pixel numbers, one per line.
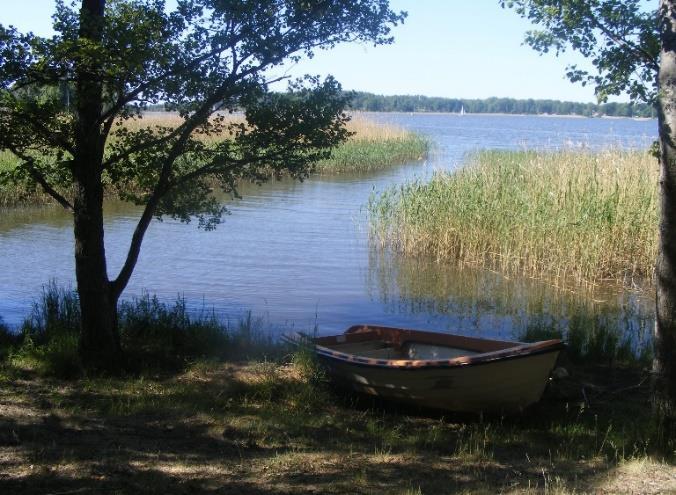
(436,370)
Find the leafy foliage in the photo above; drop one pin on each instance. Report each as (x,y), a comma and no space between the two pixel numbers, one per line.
(204,57)
(203,60)
(619,37)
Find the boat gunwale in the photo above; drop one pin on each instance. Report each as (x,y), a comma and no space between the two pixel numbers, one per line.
(518,350)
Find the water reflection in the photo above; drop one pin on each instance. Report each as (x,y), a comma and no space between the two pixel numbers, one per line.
(479,302)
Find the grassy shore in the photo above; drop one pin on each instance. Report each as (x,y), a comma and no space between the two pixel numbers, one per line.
(225,409)
(268,428)
(371,147)
(576,217)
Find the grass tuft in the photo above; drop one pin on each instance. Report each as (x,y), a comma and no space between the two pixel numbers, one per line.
(48,341)
(594,339)
(372,147)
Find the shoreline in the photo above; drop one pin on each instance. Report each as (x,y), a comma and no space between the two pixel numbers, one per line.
(373,146)
(545,115)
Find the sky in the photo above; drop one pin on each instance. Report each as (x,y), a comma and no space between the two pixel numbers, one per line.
(448,48)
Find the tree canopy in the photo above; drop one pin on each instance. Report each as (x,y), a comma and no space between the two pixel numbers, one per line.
(619,37)
(206,56)
(203,60)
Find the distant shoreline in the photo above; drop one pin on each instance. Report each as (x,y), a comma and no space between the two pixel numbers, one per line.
(360,100)
(498,114)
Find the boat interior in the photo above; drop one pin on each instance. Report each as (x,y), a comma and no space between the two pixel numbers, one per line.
(380,349)
(394,343)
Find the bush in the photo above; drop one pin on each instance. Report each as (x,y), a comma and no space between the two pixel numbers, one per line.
(154,335)
(164,336)
(8,340)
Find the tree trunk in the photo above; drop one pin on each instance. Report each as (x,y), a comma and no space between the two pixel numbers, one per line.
(99,338)
(665,270)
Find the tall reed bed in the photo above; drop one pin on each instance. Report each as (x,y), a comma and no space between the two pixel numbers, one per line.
(372,146)
(572,216)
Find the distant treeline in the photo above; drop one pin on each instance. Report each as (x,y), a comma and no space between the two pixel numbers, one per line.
(370,102)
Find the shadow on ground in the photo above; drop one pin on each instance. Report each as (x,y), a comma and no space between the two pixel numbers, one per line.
(261,429)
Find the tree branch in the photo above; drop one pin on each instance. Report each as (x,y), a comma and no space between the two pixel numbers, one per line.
(131,96)
(161,188)
(40,179)
(638,51)
(49,135)
(140,147)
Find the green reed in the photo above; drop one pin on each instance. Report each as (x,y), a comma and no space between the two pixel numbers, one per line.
(363,155)
(154,335)
(570,216)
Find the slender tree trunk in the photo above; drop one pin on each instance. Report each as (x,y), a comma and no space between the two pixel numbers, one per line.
(99,339)
(665,271)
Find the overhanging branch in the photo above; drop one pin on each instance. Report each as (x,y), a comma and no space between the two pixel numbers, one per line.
(35,174)
(639,51)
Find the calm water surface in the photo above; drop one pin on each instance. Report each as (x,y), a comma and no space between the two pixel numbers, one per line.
(298,254)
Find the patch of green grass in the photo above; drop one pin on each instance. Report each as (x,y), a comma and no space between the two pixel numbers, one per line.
(48,339)
(154,336)
(16,193)
(7,161)
(574,217)
(363,155)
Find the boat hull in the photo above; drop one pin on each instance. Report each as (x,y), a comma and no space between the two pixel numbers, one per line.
(442,371)
(499,386)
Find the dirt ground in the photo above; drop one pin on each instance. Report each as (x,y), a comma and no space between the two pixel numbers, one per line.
(260,428)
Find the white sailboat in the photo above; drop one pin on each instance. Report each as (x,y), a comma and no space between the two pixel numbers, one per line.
(462,110)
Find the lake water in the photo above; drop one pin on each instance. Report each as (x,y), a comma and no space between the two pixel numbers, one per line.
(298,254)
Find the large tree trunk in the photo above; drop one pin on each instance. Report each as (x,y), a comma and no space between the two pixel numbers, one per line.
(99,340)
(665,271)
